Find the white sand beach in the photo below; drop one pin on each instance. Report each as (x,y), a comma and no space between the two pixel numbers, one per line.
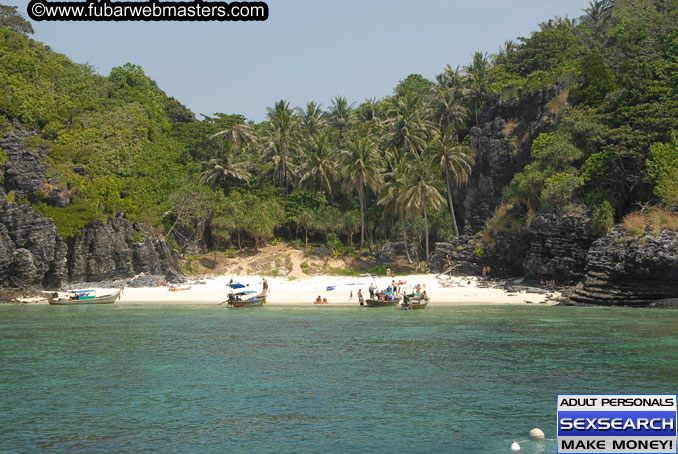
(455,291)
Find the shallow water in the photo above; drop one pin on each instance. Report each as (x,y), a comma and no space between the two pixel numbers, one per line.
(134,378)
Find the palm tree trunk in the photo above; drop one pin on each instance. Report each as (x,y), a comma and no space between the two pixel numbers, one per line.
(362,219)
(426,230)
(449,201)
(305,239)
(407,250)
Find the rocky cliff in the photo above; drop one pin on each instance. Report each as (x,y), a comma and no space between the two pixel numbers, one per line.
(630,270)
(558,247)
(502,147)
(33,253)
(117,250)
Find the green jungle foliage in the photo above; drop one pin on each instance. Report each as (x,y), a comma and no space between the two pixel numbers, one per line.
(350,175)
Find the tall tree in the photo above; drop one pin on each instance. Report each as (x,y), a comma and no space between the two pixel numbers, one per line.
(360,171)
(319,170)
(479,81)
(239,134)
(341,115)
(407,128)
(421,190)
(9,18)
(394,189)
(228,164)
(279,141)
(455,162)
(312,118)
(447,105)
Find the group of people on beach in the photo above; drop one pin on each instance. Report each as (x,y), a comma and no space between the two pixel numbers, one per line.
(487,270)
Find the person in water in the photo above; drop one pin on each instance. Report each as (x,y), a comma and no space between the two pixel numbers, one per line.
(324,300)
(318,300)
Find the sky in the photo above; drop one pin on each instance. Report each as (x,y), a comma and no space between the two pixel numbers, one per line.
(306,50)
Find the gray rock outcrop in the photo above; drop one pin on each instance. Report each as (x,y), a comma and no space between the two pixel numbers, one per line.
(116,250)
(24,173)
(630,270)
(558,247)
(462,258)
(502,147)
(32,253)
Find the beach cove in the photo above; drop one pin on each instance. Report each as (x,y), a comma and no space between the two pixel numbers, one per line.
(456,291)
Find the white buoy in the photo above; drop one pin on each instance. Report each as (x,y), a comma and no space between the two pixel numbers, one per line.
(536,434)
(515,447)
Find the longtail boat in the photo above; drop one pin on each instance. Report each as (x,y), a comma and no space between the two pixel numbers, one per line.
(415,301)
(246,298)
(388,300)
(85,297)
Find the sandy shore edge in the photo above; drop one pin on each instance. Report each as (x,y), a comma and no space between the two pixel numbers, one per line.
(455,291)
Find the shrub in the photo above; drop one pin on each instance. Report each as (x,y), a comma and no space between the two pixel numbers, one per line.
(71,220)
(657,219)
(479,252)
(635,224)
(138,236)
(603,218)
(663,168)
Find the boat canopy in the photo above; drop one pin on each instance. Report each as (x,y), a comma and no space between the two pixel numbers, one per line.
(82,292)
(236,285)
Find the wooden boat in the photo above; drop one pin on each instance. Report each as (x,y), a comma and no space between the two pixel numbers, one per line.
(415,301)
(85,297)
(394,300)
(247,298)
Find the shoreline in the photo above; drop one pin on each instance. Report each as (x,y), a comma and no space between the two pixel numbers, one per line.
(455,291)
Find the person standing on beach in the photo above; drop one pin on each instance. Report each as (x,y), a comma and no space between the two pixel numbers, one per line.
(350,296)
(360,298)
(265,286)
(371,291)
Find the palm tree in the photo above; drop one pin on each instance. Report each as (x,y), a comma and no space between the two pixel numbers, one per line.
(599,11)
(279,141)
(312,119)
(455,161)
(479,80)
(341,115)
(361,172)
(226,165)
(394,189)
(421,190)
(447,106)
(240,134)
(320,167)
(407,127)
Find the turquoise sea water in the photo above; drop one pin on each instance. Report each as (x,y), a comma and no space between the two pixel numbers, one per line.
(134,378)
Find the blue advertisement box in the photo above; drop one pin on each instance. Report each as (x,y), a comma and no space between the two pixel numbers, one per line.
(617,423)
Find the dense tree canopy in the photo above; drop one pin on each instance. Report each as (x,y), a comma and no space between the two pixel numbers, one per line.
(388,168)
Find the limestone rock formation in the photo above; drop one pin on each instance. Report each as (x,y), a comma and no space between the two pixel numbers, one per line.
(558,247)
(24,172)
(502,146)
(32,253)
(117,249)
(630,270)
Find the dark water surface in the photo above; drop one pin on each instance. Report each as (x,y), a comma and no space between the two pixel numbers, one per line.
(135,378)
